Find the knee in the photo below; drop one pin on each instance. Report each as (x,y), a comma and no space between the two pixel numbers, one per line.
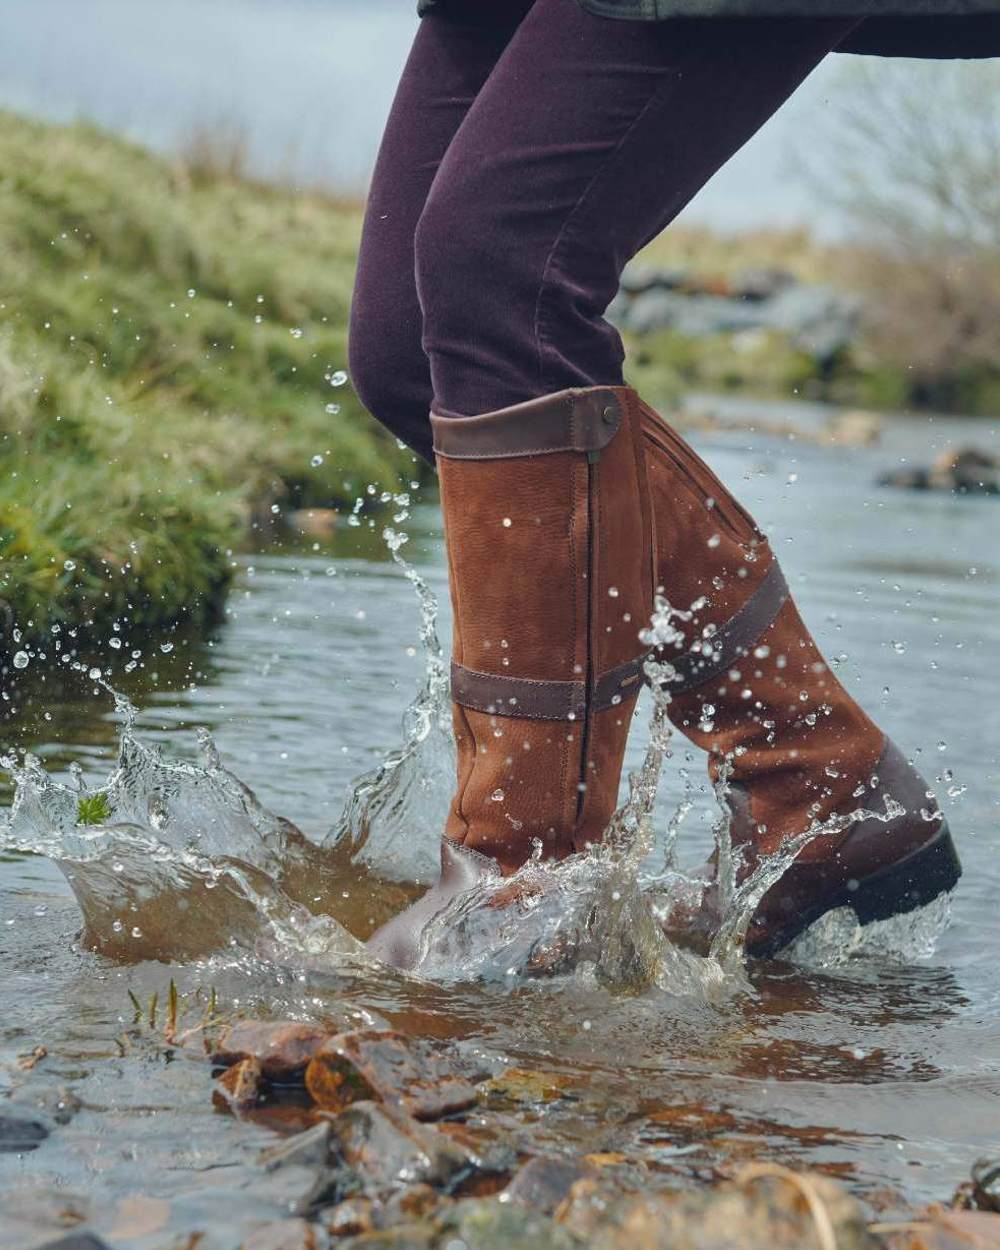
(458,269)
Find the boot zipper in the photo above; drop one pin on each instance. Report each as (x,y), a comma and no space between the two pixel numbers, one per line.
(581,795)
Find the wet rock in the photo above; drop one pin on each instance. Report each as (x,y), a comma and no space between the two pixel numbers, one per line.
(938,1229)
(773,1209)
(308,1149)
(520,1085)
(301,1190)
(21,1129)
(389,1148)
(351,1217)
(283,1048)
(416,1202)
(544,1183)
(239,1086)
(963,471)
(384,1066)
(986,1184)
(492,1225)
(287,1235)
(32,1058)
(492,1153)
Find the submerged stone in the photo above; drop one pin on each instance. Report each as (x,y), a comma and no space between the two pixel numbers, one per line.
(384,1066)
(389,1148)
(351,1217)
(76,1241)
(545,1182)
(310,1148)
(986,1184)
(522,1085)
(239,1086)
(778,1210)
(283,1048)
(20,1130)
(400,1237)
(491,1225)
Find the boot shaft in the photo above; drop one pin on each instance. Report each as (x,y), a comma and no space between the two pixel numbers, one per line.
(752,686)
(549,536)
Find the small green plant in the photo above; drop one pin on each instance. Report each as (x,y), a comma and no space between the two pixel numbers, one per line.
(93,809)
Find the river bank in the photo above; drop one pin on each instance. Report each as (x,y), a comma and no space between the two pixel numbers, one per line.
(172,348)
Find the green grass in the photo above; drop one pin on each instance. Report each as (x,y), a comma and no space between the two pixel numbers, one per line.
(167,336)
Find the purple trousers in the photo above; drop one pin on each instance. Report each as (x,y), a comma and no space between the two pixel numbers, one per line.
(533,149)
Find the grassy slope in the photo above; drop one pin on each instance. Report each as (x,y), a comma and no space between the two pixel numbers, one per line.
(164,347)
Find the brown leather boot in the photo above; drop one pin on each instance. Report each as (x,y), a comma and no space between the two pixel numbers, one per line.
(752,688)
(549,535)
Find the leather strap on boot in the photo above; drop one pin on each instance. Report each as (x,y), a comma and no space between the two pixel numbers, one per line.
(551,573)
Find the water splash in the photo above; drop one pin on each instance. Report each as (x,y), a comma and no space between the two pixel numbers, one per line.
(185,860)
(394,813)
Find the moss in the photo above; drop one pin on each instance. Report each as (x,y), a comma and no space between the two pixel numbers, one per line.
(166,345)
(93,809)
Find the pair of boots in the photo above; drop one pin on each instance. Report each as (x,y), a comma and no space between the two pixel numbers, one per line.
(562,517)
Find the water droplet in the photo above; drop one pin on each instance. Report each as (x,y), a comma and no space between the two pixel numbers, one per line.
(338,378)
(333,409)
(166,647)
(316,461)
(21,659)
(115,643)
(612,592)
(714,540)
(69,565)
(296,333)
(94,674)
(497,796)
(899,647)
(507,522)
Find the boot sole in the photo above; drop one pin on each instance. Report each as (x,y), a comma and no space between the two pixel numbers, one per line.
(902,887)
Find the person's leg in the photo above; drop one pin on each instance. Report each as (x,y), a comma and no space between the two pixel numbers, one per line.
(589,138)
(452,56)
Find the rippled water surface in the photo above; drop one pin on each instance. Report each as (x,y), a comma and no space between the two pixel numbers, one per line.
(882,1071)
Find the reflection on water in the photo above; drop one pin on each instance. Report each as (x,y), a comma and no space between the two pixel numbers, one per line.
(878,1070)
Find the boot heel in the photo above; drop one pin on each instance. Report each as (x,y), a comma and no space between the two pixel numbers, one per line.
(913,882)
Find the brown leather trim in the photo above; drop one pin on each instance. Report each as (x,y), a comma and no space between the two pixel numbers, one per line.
(523,697)
(618,684)
(584,420)
(528,699)
(734,640)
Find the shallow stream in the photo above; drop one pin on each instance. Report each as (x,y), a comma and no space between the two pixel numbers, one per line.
(879,1066)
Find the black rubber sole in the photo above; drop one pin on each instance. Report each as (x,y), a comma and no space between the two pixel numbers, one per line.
(901,887)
